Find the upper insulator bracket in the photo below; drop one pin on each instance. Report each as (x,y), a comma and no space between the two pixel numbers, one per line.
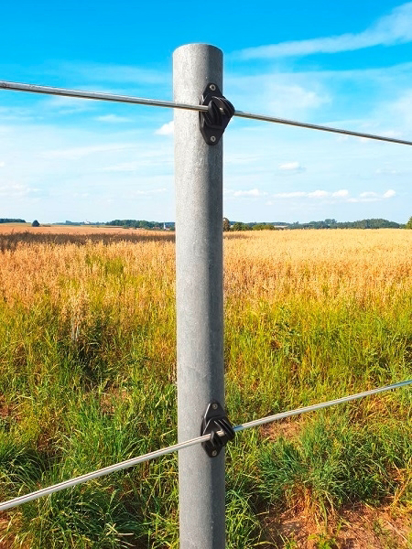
(213,122)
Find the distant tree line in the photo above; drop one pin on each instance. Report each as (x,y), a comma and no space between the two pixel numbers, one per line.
(326,224)
(6,220)
(239,226)
(140,224)
(374,223)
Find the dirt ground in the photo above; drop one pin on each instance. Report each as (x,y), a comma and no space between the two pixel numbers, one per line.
(360,527)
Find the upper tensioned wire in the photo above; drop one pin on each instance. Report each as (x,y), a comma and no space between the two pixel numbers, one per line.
(99,96)
(180,446)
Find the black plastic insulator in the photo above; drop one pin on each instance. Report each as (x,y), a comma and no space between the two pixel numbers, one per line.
(220,110)
(215,420)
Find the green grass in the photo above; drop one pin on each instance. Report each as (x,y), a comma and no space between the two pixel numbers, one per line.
(85,384)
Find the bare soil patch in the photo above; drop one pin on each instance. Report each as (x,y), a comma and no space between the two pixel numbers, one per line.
(359,527)
(287,428)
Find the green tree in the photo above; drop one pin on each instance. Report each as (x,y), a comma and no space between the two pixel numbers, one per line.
(226,224)
(239,226)
(409,224)
(35,223)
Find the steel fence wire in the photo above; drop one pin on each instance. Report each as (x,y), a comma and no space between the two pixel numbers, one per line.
(186,444)
(99,96)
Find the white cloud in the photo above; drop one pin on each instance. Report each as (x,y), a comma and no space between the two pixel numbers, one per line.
(318,194)
(75,153)
(371,196)
(149,192)
(112,118)
(296,194)
(11,114)
(388,171)
(288,94)
(343,193)
(301,97)
(290,167)
(367,196)
(16,190)
(395,28)
(364,199)
(122,167)
(166,129)
(400,109)
(251,192)
(68,105)
(2,164)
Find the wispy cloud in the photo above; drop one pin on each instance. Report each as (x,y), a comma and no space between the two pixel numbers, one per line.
(67,105)
(371,196)
(18,114)
(122,167)
(294,194)
(388,171)
(121,74)
(166,129)
(252,192)
(292,167)
(112,119)
(342,194)
(401,108)
(287,93)
(149,192)
(75,153)
(16,190)
(368,194)
(395,28)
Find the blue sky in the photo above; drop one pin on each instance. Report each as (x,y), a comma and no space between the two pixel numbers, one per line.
(350,66)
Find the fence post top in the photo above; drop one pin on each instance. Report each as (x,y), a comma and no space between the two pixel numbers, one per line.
(197,45)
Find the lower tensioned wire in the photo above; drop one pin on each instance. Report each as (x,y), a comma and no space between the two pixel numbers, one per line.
(182,445)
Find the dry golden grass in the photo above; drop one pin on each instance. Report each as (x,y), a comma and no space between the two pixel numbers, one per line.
(371,266)
(263,264)
(320,264)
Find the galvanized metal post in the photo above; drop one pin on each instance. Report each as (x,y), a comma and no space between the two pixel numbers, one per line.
(199,266)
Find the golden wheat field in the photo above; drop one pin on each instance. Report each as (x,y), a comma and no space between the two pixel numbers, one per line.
(88,378)
(321,264)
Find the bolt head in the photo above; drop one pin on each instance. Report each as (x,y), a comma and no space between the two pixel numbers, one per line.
(214,406)
(212,87)
(214,453)
(212,138)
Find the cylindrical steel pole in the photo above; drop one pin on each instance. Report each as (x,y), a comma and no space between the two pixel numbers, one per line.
(199,267)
